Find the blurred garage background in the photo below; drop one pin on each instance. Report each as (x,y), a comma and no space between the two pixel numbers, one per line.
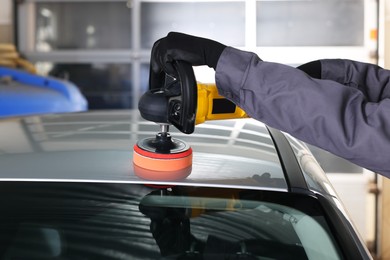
(103,48)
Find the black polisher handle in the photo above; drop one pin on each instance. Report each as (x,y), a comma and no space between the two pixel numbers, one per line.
(182,108)
(172,99)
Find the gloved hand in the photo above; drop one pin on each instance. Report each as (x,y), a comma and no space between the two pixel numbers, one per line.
(183,47)
(313,69)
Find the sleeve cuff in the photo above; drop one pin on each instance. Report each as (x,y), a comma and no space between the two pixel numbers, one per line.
(333,70)
(231,72)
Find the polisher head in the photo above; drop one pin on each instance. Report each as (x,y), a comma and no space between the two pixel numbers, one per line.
(162,159)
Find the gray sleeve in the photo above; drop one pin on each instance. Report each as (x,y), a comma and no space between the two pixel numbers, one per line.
(321,112)
(371,79)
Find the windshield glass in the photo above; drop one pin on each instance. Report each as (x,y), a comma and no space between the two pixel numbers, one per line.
(132,221)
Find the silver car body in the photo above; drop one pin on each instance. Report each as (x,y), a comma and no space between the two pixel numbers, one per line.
(97,147)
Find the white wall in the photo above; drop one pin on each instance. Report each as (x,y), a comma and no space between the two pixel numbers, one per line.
(5,21)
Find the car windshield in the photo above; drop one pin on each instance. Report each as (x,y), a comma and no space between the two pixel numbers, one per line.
(42,220)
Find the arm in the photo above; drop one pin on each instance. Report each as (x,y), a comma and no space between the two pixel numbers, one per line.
(344,110)
(371,79)
(321,112)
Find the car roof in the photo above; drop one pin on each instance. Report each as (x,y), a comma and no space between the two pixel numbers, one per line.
(98,147)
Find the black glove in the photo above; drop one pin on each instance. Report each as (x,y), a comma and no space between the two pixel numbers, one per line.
(178,46)
(313,69)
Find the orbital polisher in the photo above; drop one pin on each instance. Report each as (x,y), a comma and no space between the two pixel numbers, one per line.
(180,101)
